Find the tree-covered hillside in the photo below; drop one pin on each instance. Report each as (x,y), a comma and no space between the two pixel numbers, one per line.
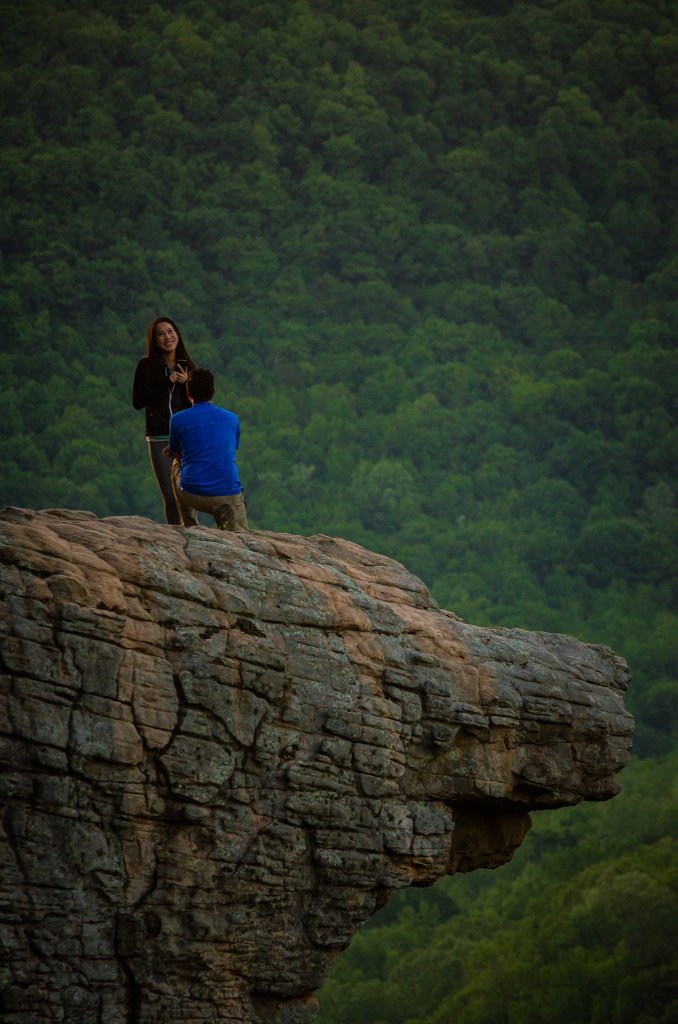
(428,248)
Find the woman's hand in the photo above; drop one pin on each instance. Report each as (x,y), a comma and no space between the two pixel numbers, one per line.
(180,375)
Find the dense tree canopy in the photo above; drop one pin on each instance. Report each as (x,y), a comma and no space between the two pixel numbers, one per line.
(428,249)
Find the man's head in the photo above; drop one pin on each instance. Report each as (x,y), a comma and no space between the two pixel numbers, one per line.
(200,385)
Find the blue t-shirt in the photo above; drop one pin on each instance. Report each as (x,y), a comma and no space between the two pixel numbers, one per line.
(206,438)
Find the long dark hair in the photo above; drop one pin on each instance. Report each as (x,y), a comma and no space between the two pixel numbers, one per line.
(152,350)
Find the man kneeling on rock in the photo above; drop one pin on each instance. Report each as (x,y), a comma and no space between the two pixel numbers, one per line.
(203,441)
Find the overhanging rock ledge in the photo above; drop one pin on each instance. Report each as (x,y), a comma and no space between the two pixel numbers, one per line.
(221,753)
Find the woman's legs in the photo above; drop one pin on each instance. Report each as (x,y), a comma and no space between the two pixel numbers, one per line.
(187,516)
(162,467)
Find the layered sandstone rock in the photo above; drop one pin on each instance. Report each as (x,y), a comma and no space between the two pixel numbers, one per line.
(221,753)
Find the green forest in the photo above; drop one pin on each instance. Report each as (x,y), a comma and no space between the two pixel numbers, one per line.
(428,248)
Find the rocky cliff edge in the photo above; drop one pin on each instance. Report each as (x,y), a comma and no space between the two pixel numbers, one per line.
(221,753)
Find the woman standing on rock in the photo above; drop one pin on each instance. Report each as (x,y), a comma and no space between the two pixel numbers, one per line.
(160,389)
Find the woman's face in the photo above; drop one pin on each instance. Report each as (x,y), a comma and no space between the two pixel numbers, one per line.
(166,338)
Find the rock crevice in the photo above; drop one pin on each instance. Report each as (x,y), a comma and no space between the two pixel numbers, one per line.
(221,753)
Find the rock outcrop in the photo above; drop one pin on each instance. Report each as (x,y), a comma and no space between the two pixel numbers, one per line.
(221,753)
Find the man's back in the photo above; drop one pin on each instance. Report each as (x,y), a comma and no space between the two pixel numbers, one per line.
(207,438)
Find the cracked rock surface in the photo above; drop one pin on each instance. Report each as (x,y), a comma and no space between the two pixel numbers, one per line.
(221,753)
